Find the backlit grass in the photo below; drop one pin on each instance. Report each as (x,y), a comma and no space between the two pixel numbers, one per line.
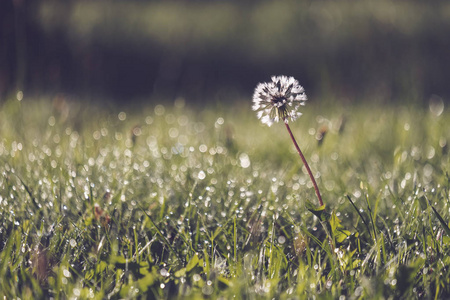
(176,201)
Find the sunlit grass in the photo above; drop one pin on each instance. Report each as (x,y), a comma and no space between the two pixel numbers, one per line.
(171,201)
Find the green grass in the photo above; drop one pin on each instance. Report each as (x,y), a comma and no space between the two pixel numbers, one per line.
(176,201)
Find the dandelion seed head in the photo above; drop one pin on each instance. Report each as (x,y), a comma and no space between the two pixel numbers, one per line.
(278,100)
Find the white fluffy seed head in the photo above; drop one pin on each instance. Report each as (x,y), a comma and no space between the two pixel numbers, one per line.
(278,100)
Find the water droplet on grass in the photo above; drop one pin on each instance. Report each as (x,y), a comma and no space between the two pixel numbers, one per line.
(122,116)
(203,148)
(436,105)
(196,277)
(66,273)
(244,160)
(281,239)
(207,290)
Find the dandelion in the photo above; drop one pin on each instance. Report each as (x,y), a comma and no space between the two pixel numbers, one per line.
(280,100)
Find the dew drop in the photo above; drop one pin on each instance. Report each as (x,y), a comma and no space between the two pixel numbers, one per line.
(207,290)
(66,273)
(244,160)
(19,95)
(436,105)
(51,121)
(406,126)
(196,277)
(201,175)
(159,110)
(122,116)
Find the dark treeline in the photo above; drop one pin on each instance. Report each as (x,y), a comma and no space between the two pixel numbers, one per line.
(386,51)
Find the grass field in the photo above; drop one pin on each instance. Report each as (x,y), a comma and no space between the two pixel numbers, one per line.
(183,201)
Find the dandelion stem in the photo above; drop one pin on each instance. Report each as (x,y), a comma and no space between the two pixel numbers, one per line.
(305,163)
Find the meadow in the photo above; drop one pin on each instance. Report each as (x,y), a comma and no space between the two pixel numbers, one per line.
(174,200)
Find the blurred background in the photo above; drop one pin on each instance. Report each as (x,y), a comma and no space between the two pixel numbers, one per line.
(124,51)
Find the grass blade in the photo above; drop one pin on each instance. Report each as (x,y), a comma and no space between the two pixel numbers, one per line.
(161,235)
(441,220)
(360,215)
